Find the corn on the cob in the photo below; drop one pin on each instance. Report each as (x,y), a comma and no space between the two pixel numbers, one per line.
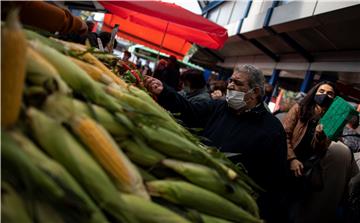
(94,72)
(181,148)
(140,153)
(107,153)
(209,179)
(56,170)
(64,148)
(88,57)
(76,78)
(40,71)
(13,54)
(13,209)
(149,212)
(62,108)
(16,162)
(31,35)
(200,199)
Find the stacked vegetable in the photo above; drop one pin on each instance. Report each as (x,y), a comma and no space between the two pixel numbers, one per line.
(81,145)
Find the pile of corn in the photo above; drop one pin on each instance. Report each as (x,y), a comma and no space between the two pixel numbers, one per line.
(81,145)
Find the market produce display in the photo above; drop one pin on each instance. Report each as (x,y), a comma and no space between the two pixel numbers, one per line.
(82,141)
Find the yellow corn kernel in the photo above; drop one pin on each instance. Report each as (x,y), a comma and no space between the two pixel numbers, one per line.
(111,158)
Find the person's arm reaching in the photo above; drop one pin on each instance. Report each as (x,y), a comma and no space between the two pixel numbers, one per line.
(192,114)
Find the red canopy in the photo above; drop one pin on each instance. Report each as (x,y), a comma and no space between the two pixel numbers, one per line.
(146,22)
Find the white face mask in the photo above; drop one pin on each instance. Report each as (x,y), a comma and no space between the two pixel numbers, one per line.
(235,99)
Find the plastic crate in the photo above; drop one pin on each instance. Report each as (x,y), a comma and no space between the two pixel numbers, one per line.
(336,118)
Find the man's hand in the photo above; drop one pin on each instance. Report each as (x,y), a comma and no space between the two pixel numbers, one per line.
(153,85)
(217,94)
(296,167)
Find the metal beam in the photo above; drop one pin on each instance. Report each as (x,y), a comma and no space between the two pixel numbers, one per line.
(309,77)
(211,6)
(261,47)
(214,55)
(284,36)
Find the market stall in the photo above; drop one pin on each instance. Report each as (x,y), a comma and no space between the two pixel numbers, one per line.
(80,144)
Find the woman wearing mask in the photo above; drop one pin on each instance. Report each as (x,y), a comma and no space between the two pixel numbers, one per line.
(321,168)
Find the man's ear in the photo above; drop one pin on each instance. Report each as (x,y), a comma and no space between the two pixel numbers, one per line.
(257,92)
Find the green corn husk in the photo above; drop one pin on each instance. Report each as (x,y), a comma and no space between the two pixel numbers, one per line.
(75,77)
(149,212)
(46,213)
(195,197)
(209,179)
(63,108)
(146,175)
(13,209)
(140,153)
(57,172)
(159,116)
(182,149)
(65,149)
(31,35)
(40,72)
(16,163)
(210,219)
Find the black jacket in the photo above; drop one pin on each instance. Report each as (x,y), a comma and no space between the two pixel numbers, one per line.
(257,135)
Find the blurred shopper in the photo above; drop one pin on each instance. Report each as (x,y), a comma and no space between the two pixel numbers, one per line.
(172,73)
(242,128)
(321,168)
(159,71)
(195,89)
(351,137)
(126,56)
(46,16)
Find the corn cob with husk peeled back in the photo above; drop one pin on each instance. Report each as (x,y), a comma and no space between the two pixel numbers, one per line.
(57,172)
(76,78)
(195,197)
(109,155)
(65,149)
(13,56)
(63,108)
(94,72)
(40,72)
(209,179)
(13,209)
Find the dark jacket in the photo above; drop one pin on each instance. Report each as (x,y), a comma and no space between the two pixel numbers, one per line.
(197,95)
(257,135)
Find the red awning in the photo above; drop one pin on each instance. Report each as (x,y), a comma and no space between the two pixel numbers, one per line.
(146,22)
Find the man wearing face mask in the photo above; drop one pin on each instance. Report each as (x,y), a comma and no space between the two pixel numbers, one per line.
(241,127)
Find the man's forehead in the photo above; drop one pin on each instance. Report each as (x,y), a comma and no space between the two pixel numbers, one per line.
(240,76)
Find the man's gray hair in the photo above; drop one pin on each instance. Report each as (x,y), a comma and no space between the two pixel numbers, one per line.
(256,77)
